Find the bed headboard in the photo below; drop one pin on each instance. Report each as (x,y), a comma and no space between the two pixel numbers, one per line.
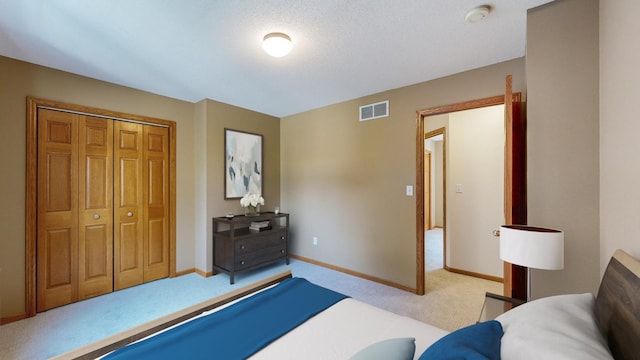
(618,306)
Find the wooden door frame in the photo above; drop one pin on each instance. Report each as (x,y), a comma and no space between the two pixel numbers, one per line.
(427,219)
(519,201)
(31,184)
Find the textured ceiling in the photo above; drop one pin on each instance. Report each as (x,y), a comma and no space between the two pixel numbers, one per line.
(196,49)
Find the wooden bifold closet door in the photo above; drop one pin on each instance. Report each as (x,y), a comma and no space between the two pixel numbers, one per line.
(141,210)
(102,209)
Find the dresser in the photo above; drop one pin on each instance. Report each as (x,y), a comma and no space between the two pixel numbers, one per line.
(238,248)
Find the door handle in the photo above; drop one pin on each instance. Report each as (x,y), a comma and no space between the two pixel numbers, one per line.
(129,214)
(96,216)
(496,233)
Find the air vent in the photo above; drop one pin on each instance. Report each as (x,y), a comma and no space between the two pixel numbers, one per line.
(374,111)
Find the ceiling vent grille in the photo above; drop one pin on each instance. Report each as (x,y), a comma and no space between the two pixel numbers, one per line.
(374,111)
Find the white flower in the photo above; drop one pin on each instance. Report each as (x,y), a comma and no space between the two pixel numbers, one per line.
(250,199)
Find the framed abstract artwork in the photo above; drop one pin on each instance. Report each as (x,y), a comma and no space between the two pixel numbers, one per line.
(242,163)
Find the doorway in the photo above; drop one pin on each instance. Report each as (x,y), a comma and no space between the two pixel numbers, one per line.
(515,178)
(474,178)
(434,205)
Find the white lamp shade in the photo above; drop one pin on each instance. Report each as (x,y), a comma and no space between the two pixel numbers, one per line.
(277,44)
(533,247)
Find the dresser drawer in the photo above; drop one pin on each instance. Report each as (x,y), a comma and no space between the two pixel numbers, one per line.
(272,238)
(260,256)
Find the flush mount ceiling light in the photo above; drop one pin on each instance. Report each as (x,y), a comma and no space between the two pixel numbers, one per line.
(477,14)
(277,44)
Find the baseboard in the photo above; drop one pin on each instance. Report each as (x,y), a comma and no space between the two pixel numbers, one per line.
(10,319)
(354,273)
(474,274)
(195,270)
(204,273)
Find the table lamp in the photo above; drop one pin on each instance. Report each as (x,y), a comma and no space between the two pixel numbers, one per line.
(532,247)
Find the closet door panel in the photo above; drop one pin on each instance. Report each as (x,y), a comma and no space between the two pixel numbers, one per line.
(128,213)
(129,253)
(156,178)
(156,251)
(57,211)
(96,206)
(96,245)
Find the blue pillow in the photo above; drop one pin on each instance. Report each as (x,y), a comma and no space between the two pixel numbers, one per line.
(392,349)
(476,342)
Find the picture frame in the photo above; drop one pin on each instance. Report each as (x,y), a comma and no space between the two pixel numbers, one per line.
(243,160)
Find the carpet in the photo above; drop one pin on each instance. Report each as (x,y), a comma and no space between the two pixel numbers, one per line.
(452,301)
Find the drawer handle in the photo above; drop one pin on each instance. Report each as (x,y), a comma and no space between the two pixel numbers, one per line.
(282,251)
(242,262)
(242,247)
(281,237)
(129,214)
(96,216)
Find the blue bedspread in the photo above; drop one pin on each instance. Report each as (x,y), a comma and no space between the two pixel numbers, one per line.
(238,331)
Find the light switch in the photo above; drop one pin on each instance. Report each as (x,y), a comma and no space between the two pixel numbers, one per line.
(459,188)
(409,190)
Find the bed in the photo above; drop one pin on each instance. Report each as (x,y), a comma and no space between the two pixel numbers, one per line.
(329,325)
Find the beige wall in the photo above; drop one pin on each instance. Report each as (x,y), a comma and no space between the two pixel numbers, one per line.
(218,117)
(199,167)
(475,161)
(344,180)
(619,128)
(562,134)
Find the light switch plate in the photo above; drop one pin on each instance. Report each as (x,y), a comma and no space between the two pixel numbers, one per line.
(409,190)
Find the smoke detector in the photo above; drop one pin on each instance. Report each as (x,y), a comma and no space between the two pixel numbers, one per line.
(477,14)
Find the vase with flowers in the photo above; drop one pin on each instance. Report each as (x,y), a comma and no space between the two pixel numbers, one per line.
(251,202)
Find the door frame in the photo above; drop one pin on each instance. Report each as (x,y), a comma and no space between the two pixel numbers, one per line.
(427,194)
(31,184)
(518,172)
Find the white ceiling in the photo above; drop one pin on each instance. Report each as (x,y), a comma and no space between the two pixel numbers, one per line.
(196,49)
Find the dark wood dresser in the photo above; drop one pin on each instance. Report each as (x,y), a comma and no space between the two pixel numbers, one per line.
(238,248)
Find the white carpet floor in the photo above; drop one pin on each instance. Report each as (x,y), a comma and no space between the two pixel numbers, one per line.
(452,301)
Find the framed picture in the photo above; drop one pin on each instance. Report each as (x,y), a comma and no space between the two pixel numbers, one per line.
(242,164)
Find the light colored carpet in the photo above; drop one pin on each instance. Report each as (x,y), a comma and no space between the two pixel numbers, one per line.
(433,249)
(452,301)
(461,297)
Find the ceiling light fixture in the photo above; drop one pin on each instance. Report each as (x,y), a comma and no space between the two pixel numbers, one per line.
(477,14)
(277,44)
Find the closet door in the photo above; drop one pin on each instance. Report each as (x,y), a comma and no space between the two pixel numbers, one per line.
(128,205)
(95,235)
(156,193)
(57,214)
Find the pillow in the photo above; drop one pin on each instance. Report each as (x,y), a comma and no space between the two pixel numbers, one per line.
(392,349)
(556,327)
(476,342)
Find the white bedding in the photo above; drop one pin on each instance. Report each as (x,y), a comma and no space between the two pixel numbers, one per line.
(557,327)
(359,325)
